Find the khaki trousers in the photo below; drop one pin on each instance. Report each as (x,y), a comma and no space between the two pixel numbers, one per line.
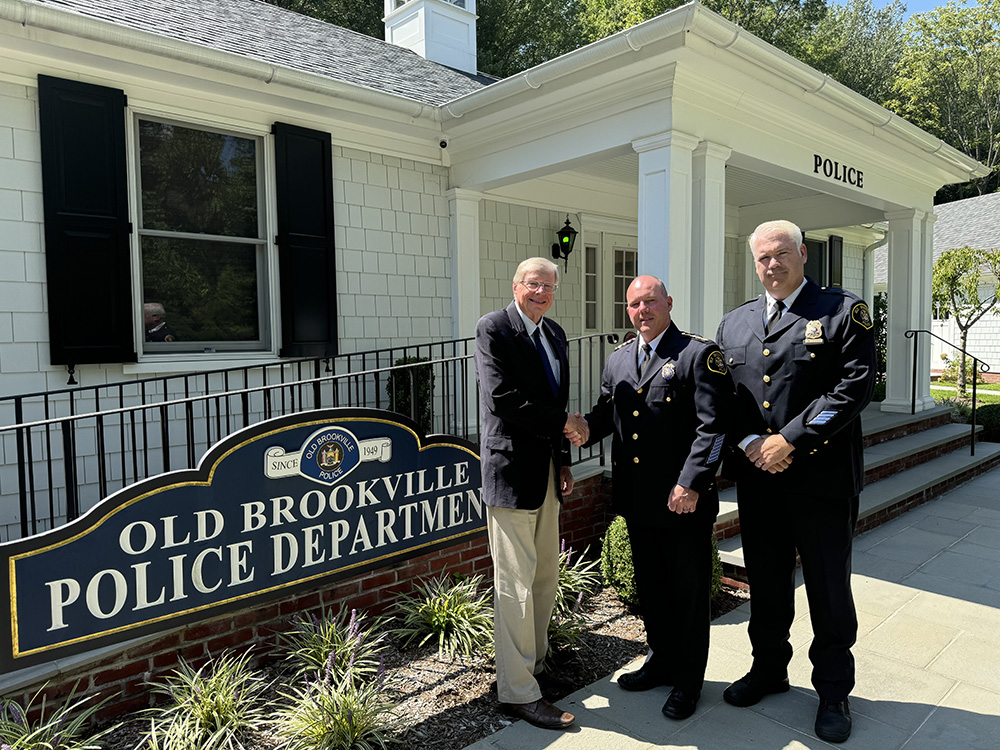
(524,545)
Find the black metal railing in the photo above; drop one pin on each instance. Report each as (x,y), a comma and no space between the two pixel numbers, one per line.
(978,366)
(74,447)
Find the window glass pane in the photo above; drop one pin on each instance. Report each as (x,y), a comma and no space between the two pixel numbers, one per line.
(197,181)
(591,321)
(591,265)
(209,290)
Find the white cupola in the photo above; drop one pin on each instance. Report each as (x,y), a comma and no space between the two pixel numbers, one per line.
(440,30)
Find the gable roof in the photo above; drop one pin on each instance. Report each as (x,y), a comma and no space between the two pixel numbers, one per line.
(973,221)
(267,33)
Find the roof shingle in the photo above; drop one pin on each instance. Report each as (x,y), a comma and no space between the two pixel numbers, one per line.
(264,32)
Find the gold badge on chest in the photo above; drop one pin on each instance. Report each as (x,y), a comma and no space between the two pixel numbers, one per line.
(667,371)
(814,332)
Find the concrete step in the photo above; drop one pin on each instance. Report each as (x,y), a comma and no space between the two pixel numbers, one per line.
(890,497)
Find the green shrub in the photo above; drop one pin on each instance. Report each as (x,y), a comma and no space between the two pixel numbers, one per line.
(616,563)
(61,728)
(330,715)
(344,643)
(410,390)
(216,706)
(879,393)
(961,410)
(989,417)
(458,614)
(953,365)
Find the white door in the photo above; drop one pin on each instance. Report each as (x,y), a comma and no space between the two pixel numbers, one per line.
(610,264)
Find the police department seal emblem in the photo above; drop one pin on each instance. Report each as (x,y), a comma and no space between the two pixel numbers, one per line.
(861,316)
(716,362)
(667,371)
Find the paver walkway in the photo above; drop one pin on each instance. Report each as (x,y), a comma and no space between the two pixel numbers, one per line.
(927,588)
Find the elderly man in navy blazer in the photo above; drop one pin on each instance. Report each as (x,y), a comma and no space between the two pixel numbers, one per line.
(803,360)
(523,373)
(666,397)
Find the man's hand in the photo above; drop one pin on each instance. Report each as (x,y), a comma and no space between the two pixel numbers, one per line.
(576,430)
(682,499)
(771,454)
(566,480)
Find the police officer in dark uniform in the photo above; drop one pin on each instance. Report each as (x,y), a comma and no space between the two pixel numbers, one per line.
(154,318)
(803,360)
(666,396)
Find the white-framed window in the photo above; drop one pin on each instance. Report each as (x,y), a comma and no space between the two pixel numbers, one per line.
(201,250)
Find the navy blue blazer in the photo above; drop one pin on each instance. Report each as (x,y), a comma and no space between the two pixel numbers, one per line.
(522,420)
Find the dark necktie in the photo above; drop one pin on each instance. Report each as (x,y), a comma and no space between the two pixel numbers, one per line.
(775,315)
(646,349)
(537,336)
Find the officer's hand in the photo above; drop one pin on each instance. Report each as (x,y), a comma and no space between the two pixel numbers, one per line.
(774,452)
(577,430)
(682,499)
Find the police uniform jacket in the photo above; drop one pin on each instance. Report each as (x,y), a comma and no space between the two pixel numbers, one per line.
(668,426)
(808,379)
(522,419)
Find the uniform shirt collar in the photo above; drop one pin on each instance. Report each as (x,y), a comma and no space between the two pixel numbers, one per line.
(655,342)
(529,324)
(789,300)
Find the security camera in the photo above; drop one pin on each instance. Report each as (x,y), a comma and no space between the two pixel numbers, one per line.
(443,143)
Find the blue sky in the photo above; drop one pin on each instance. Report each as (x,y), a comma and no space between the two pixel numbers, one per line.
(919,6)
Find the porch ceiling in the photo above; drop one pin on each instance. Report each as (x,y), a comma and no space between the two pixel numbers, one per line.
(743,187)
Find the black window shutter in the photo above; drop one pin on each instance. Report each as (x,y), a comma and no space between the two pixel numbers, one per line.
(85,200)
(304,173)
(836,245)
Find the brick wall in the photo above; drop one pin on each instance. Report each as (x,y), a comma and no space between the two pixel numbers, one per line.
(124,674)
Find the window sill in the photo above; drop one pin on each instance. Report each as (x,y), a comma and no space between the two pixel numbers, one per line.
(202,363)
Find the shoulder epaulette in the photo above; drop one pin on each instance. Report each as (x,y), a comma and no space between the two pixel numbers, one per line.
(695,337)
(622,345)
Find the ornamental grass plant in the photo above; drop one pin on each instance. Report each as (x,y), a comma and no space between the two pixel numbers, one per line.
(216,706)
(346,643)
(578,579)
(327,714)
(61,728)
(456,613)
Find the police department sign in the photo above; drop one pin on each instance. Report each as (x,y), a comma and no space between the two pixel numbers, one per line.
(285,505)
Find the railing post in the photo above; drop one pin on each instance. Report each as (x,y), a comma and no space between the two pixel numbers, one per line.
(69,462)
(972,437)
(22,483)
(913,386)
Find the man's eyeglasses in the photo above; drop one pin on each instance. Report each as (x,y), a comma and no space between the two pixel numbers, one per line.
(534,286)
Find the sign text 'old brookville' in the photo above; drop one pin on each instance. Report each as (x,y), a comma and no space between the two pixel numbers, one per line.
(275,507)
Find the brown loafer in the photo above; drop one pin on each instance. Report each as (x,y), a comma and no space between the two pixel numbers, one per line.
(541,713)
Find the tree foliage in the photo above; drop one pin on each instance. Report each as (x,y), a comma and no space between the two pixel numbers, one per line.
(859,45)
(514,35)
(966,282)
(948,81)
(362,16)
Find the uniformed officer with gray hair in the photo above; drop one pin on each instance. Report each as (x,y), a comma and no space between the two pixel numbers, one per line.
(666,397)
(803,360)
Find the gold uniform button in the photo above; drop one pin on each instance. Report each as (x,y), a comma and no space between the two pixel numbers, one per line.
(639,391)
(635,436)
(636,459)
(635,414)
(826,442)
(668,399)
(767,352)
(769,431)
(730,360)
(767,378)
(812,355)
(767,404)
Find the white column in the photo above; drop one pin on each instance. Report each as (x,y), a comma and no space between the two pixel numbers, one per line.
(665,215)
(708,237)
(463,208)
(909,272)
(926,310)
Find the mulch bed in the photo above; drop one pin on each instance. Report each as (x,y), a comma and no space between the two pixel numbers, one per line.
(449,704)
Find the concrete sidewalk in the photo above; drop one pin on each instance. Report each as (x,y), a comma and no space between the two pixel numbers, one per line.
(927,587)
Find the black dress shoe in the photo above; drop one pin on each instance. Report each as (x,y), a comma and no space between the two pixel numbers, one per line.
(749,689)
(681,703)
(644,678)
(540,713)
(833,720)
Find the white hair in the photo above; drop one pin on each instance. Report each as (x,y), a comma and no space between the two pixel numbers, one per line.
(780,226)
(543,265)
